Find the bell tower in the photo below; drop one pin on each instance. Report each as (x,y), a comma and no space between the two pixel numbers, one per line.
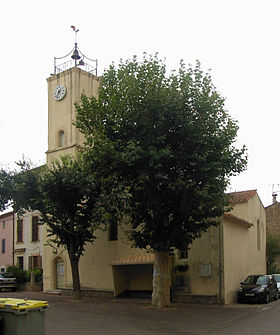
(75,74)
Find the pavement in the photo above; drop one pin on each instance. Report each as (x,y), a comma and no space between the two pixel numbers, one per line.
(104,316)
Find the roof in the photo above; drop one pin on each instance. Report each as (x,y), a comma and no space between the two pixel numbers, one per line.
(240,197)
(235,219)
(4,215)
(135,259)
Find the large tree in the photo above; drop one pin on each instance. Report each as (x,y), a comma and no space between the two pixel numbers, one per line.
(168,140)
(68,200)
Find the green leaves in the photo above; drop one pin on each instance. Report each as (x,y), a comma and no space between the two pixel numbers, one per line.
(169,141)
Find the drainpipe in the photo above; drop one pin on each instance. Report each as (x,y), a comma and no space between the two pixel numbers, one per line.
(221,265)
(13,249)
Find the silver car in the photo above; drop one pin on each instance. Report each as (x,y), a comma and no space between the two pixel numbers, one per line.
(8,281)
(277,278)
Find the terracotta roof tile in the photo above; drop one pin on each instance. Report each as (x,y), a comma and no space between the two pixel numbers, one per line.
(237,220)
(135,259)
(243,196)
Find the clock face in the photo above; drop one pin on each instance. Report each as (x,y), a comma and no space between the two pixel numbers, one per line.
(59,92)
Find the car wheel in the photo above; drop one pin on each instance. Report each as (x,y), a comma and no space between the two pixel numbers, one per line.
(266,299)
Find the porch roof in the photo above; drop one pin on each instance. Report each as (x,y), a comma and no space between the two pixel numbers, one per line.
(235,219)
(135,259)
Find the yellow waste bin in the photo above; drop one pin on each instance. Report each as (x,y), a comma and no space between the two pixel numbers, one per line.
(22,316)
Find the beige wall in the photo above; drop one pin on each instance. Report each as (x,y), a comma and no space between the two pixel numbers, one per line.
(244,251)
(95,266)
(204,251)
(233,251)
(62,113)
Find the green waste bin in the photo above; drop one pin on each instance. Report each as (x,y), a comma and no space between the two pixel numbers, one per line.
(22,316)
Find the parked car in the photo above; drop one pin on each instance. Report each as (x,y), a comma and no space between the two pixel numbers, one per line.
(277,278)
(261,288)
(7,280)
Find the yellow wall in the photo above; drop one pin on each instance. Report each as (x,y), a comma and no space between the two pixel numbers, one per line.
(62,113)
(243,255)
(204,251)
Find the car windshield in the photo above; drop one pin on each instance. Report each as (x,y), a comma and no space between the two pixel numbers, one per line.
(256,280)
(277,277)
(7,275)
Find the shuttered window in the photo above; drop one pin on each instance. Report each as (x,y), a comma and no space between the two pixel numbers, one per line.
(19,230)
(35,228)
(34,262)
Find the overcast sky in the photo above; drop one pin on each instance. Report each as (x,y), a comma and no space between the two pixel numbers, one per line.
(237,39)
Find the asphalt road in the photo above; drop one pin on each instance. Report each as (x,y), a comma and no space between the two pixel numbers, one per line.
(128,317)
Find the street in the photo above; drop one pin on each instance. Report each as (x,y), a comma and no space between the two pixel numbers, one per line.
(97,316)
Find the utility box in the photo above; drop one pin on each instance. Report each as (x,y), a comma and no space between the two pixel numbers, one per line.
(22,316)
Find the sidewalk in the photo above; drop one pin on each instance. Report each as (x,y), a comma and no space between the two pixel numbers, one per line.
(129,317)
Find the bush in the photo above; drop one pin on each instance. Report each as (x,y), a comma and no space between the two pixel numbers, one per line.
(21,275)
(38,274)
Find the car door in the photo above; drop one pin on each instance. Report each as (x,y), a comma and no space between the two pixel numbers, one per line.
(271,288)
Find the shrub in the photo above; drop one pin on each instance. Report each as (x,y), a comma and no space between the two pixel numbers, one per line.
(21,275)
(38,274)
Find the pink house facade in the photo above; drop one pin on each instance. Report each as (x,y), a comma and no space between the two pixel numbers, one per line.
(6,240)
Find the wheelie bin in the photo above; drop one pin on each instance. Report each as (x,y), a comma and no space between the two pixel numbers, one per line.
(22,316)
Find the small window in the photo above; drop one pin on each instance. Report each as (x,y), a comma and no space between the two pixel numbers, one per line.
(3,246)
(61,138)
(19,230)
(184,254)
(35,229)
(34,262)
(20,262)
(206,270)
(113,231)
(258,235)
(3,224)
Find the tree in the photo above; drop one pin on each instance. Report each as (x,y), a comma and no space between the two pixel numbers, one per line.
(272,252)
(5,187)
(169,141)
(68,200)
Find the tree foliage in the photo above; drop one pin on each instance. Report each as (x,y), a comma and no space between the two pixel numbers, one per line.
(168,139)
(272,252)
(68,200)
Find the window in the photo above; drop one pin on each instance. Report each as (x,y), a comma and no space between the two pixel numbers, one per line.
(20,262)
(258,235)
(34,262)
(3,246)
(3,224)
(206,270)
(35,229)
(113,231)
(19,230)
(61,138)
(183,254)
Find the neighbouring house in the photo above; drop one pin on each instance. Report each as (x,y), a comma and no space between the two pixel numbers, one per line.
(273,221)
(6,240)
(28,241)
(273,217)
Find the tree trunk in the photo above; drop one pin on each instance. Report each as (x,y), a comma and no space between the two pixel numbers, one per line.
(74,261)
(161,280)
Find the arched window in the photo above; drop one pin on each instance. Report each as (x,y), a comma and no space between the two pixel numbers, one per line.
(61,138)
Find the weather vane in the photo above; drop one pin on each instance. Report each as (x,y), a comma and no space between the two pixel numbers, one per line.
(76,31)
